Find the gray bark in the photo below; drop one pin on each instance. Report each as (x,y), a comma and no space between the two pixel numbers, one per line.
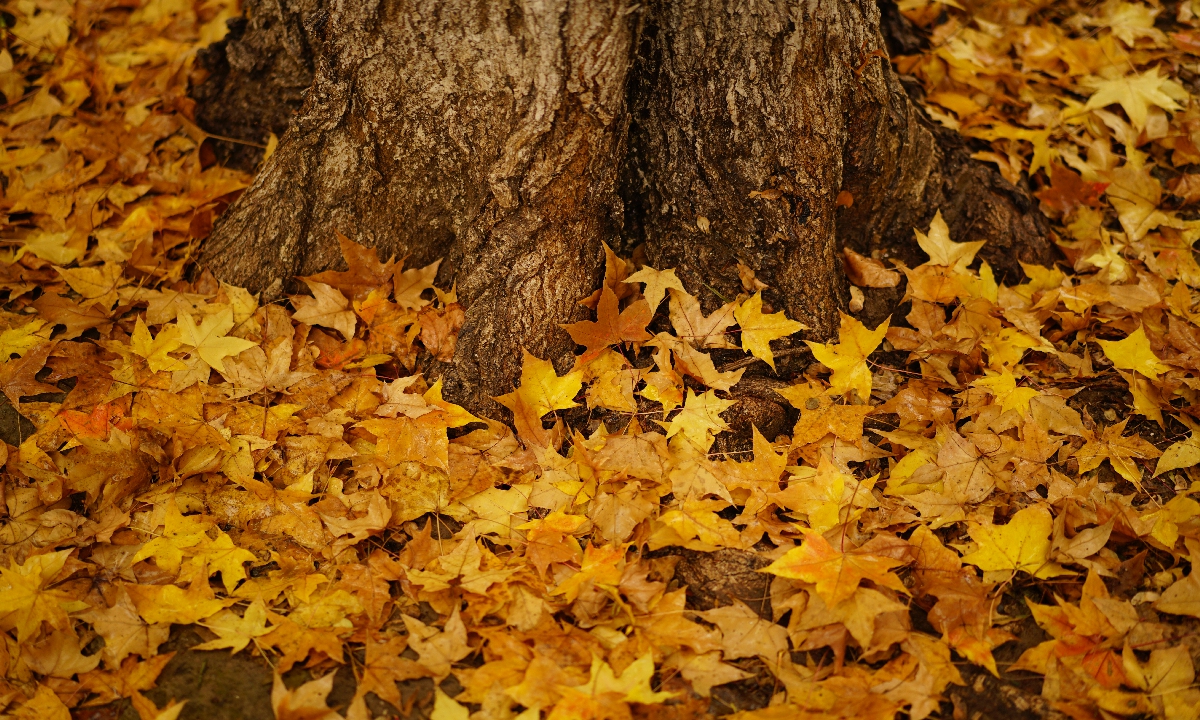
(512,137)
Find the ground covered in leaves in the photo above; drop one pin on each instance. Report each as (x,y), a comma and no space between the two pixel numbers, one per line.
(213,508)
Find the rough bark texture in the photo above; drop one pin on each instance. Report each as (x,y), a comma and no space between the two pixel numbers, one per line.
(497,135)
(484,133)
(798,102)
(258,75)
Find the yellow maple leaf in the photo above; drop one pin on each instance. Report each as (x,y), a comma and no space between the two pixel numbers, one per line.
(693,327)
(1183,454)
(209,339)
(51,247)
(44,705)
(409,284)
(758,330)
(1136,93)
(179,532)
(601,566)
(700,419)
(1003,387)
(18,340)
(97,285)
(447,708)
(942,250)
(234,632)
(1121,452)
(24,600)
(655,284)
(156,349)
(1134,353)
(307,702)
(594,698)
(328,307)
(173,604)
(147,710)
(836,574)
(1023,544)
(541,389)
(826,495)
(848,358)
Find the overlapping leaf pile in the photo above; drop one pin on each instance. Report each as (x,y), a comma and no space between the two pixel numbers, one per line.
(276,473)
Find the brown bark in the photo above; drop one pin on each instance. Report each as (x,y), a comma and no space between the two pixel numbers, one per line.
(485,133)
(497,134)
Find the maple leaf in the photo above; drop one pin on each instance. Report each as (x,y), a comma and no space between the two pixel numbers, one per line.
(745,634)
(604,686)
(655,284)
(1182,454)
(1183,596)
(384,668)
(297,642)
(1023,544)
(694,328)
(147,710)
(364,274)
(942,250)
(867,272)
(327,308)
(131,676)
(124,631)
(758,330)
(73,316)
(699,420)
(827,496)
(97,285)
(704,670)
(609,327)
(306,702)
(44,705)
(541,391)
(438,649)
(17,341)
(601,566)
(965,607)
(1134,353)
(236,632)
(209,340)
(173,604)
(25,602)
(409,284)
(1121,452)
(156,349)
(57,654)
(1136,195)
(255,369)
(1136,93)
(1003,387)
(1067,191)
(179,532)
(51,247)
(836,574)
(439,330)
(18,378)
(447,708)
(848,358)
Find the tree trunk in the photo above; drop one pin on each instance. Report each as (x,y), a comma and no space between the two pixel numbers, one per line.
(513,137)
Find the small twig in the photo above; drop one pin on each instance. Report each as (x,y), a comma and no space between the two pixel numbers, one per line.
(747,362)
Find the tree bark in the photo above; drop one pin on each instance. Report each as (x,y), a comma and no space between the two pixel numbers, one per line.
(513,137)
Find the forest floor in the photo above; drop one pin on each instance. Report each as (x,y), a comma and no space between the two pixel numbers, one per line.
(978,507)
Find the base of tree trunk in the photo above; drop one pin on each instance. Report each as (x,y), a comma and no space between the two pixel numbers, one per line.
(512,138)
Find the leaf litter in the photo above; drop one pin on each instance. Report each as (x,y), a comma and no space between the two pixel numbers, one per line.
(274,474)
